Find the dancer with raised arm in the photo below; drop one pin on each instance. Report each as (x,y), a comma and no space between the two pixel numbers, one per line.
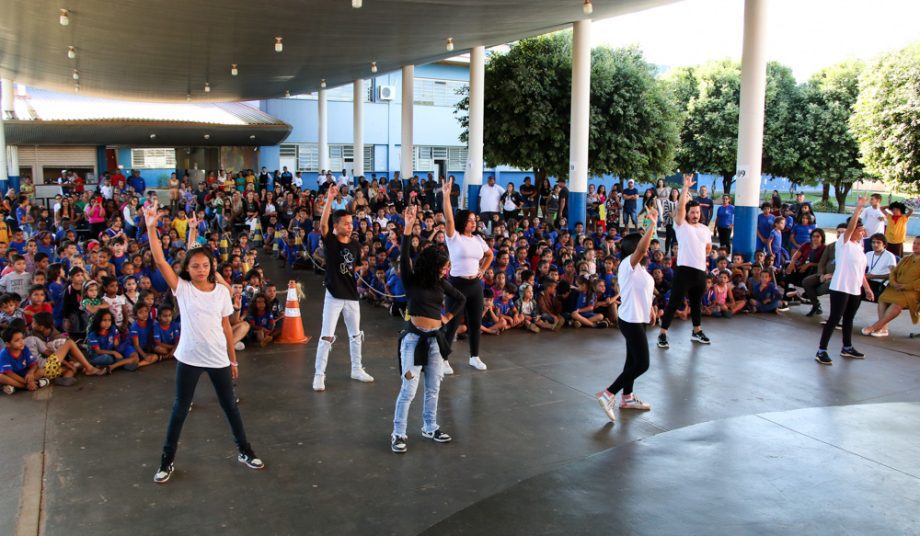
(205,347)
(423,345)
(469,258)
(342,256)
(636,294)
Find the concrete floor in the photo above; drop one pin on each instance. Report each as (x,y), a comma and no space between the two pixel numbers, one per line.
(744,438)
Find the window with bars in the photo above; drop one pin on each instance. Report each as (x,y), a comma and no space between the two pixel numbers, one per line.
(433,92)
(153,158)
(424,157)
(307,155)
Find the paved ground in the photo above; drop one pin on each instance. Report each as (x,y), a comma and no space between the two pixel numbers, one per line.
(532,451)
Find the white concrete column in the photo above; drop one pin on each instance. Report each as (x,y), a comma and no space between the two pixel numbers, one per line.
(581,115)
(6,97)
(4,176)
(358,129)
(13,160)
(408,101)
(474,163)
(323,131)
(750,125)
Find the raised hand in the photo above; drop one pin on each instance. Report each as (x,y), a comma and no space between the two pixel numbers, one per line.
(150,213)
(447,186)
(861,202)
(652,214)
(332,192)
(410,215)
(688,180)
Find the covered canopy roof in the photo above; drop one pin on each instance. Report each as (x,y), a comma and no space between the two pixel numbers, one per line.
(44,117)
(166,50)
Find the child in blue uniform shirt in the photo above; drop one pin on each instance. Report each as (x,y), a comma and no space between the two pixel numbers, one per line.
(105,347)
(165,333)
(140,335)
(18,367)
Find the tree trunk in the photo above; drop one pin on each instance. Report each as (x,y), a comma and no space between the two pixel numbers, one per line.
(727,180)
(841,190)
(825,192)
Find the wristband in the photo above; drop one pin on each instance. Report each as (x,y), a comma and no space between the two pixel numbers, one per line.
(236,364)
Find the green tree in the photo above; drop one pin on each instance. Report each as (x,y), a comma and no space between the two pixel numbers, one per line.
(528,106)
(821,126)
(887,117)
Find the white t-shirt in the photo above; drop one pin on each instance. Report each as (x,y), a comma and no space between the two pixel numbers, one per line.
(465,254)
(489,198)
(116,307)
(636,289)
(870,218)
(849,268)
(692,240)
(203,343)
(880,264)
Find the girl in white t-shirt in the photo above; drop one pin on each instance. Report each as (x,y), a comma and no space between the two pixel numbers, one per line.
(635,311)
(206,345)
(848,281)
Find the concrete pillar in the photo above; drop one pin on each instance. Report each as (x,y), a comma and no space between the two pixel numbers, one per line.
(13,160)
(472,179)
(323,131)
(408,101)
(4,176)
(6,109)
(358,130)
(750,126)
(581,115)
(6,98)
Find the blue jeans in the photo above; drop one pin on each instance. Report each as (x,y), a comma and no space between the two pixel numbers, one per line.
(410,378)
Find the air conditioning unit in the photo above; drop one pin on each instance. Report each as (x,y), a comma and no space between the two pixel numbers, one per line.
(386,93)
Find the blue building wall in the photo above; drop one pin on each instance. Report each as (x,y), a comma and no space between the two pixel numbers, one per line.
(155,178)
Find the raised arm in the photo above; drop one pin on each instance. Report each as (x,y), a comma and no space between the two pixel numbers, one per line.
(854,219)
(651,232)
(327,207)
(446,207)
(684,198)
(405,259)
(156,248)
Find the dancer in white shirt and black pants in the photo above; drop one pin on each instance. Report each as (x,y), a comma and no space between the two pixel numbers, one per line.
(636,293)
(847,284)
(695,242)
(205,347)
(469,258)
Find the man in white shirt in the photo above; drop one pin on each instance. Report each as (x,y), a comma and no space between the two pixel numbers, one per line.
(490,196)
(298,181)
(873,220)
(879,262)
(690,277)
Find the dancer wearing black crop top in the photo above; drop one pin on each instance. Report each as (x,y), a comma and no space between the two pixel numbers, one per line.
(422,343)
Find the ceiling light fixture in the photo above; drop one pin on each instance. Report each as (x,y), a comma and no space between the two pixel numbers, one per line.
(153,136)
(207,136)
(322,83)
(279,46)
(188,97)
(252,136)
(65,17)
(76,87)
(207,87)
(233,70)
(588,8)
(72,52)
(356,4)
(450,43)
(76,74)
(287,93)
(373,66)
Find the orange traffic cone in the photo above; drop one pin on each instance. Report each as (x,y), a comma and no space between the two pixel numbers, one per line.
(292,329)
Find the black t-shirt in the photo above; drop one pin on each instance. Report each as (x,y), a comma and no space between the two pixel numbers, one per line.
(341,260)
(528,191)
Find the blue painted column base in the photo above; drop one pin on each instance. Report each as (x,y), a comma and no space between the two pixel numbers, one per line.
(472,197)
(577,206)
(745,236)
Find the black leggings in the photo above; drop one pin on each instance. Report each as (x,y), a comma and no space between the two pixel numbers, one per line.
(844,306)
(186,380)
(689,283)
(725,237)
(636,357)
(472,290)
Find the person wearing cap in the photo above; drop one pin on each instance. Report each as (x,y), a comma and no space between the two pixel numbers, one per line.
(847,284)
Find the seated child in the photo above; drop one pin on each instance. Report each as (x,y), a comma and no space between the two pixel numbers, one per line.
(530,310)
(506,308)
(9,309)
(165,333)
(583,314)
(261,321)
(492,323)
(106,349)
(37,303)
(18,367)
(140,336)
(59,356)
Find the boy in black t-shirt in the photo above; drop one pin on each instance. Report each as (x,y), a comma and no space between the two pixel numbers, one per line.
(342,256)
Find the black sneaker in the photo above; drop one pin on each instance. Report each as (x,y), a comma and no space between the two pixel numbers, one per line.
(815,311)
(783,308)
(437,436)
(249,459)
(823,358)
(165,471)
(397,444)
(700,337)
(852,353)
(663,341)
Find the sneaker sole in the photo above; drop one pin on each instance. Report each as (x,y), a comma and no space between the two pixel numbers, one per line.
(603,404)
(637,409)
(363,380)
(853,356)
(249,465)
(823,363)
(397,451)
(699,341)
(664,346)
(437,440)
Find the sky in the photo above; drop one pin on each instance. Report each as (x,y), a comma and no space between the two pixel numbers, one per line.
(806,35)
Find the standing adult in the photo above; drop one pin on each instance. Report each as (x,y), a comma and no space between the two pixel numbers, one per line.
(137,182)
(725,222)
(469,258)
(342,256)
(529,193)
(422,343)
(690,277)
(511,202)
(635,312)
(706,205)
(668,210)
(846,284)
(490,196)
(206,345)
(630,205)
(873,220)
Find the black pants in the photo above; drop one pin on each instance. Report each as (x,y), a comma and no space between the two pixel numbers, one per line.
(636,357)
(670,238)
(725,238)
(814,287)
(689,283)
(510,214)
(186,380)
(472,290)
(844,306)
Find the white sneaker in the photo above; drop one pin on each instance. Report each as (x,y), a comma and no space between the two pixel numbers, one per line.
(361,375)
(239,347)
(607,403)
(446,368)
(477,363)
(319,382)
(882,333)
(634,403)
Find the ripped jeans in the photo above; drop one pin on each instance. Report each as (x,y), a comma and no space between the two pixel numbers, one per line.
(433,376)
(351,310)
